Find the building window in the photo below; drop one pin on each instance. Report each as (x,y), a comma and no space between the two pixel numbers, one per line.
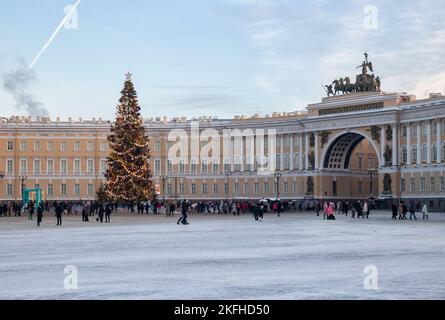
(442,184)
(76,146)
(404,131)
(227,166)
(404,154)
(402,185)
(169,166)
(157,146)
(412,185)
(10,146)
(181,188)
(50,166)
(103,166)
(246,189)
(424,152)
(63,167)
(294,187)
(424,130)
(434,151)
(193,166)
(9,190)
(226,189)
(204,166)
(237,189)
(266,187)
(433,184)
(215,189)
(77,189)
(36,166)
(37,186)
(360,163)
(76,166)
(204,188)
(215,165)
(422,184)
(23,145)
(103,146)
(414,131)
(286,162)
(157,166)
(50,146)
(63,189)
(360,187)
(10,166)
(297,161)
(90,166)
(443,151)
(181,166)
(63,146)
(278,162)
(90,146)
(36,145)
(256,190)
(193,188)
(169,189)
(286,187)
(414,153)
(49,189)
(90,190)
(23,166)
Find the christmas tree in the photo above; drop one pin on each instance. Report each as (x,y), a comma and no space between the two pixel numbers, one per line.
(128,166)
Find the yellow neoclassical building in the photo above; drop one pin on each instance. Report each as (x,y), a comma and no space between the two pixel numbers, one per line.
(351,146)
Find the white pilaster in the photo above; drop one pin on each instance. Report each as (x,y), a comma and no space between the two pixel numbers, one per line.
(281,152)
(408,144)
(394,145)
(306,150)
(291,151)
(316,166)
(439,141)
(383,144)
(300,155)
(419,143)
(428,142)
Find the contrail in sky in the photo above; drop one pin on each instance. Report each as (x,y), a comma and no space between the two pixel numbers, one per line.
(68,15)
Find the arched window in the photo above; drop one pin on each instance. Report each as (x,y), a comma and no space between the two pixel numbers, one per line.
(404,154)
(424,152)
(414,153)
(297,161)
(286,162)
(434,151)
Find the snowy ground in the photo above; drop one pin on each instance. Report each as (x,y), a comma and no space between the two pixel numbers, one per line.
(297,256)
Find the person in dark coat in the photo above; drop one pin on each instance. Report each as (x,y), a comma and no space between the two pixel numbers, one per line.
(59,211)
(412,211)
(101,213)
(184,210)
(394,211)
(108,213)
(40,210)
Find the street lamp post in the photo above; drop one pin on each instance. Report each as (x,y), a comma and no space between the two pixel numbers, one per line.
(163,185)
(278,176)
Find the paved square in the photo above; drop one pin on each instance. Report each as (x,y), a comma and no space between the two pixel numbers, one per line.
(297,256)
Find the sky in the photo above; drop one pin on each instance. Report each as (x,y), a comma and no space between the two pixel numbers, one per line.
(212,57)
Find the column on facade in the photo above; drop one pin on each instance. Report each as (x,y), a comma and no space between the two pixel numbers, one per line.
(382,144)
(419,143)
(242,154)
(306,150)
(428,142)
(281,152)
(439,141)
(316,151)
(300,152)
(395,145)
(291,152)
(408,144)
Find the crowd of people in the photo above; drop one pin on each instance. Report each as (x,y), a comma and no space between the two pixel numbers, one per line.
(102,212)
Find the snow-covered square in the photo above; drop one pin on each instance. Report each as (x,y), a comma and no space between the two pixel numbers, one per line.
(295,256)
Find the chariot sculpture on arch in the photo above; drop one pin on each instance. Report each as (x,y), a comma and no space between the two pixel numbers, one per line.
(364,82)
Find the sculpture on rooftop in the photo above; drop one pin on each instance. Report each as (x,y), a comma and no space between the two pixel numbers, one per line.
(364,82)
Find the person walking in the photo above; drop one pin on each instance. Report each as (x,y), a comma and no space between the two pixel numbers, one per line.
(184,209)
(59,212)
(412,211)
(108,214)
(366,210)
(40,210)
(101,213)
(425,211)
(394,211)
(30,210)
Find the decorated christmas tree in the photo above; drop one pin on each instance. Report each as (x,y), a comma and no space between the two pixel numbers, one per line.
(128,166)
